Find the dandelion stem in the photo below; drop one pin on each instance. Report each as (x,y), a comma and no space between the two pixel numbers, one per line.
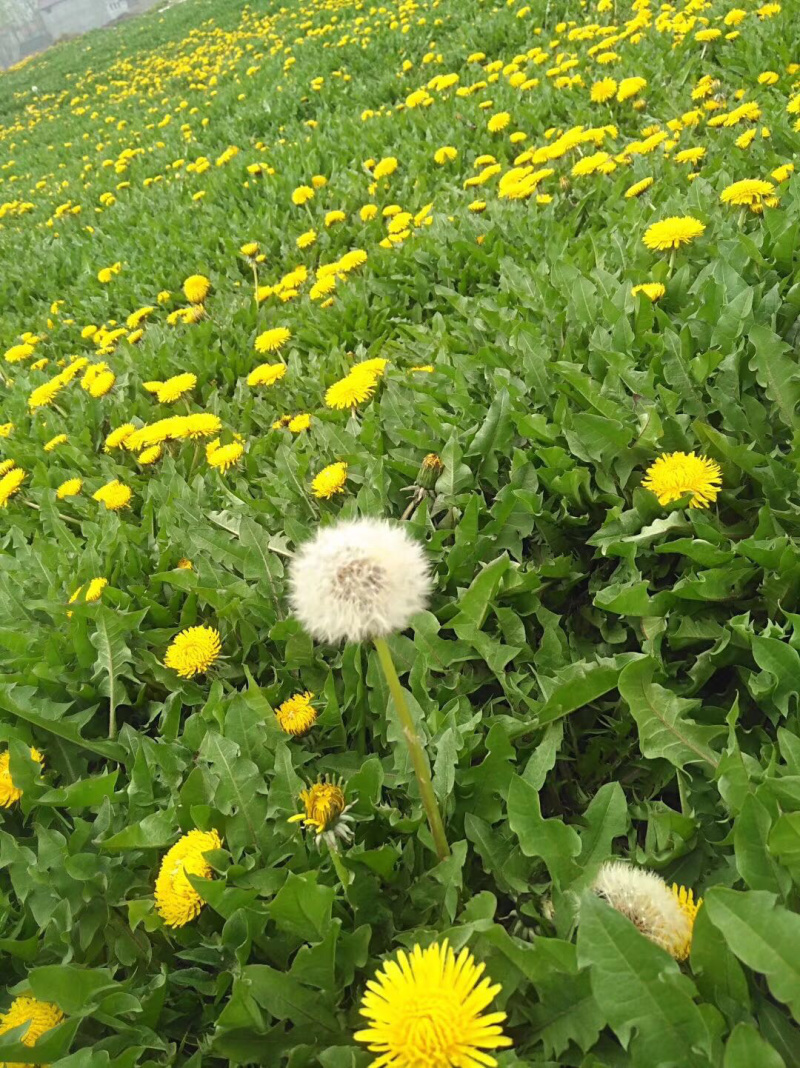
(340,869)
(416,751)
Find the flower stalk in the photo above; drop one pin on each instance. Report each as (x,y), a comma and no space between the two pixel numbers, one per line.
(415,749)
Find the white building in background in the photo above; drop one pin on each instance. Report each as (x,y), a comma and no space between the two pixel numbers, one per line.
(68,17)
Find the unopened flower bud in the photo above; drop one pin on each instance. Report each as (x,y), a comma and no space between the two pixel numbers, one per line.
(429,471)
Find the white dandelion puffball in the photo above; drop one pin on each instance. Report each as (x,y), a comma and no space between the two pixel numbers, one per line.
(359,579)
(648,903)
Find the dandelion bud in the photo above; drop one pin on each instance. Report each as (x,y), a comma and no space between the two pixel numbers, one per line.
(359,579)
(429,471)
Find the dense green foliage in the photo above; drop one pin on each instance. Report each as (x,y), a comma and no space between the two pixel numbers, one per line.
(598,675)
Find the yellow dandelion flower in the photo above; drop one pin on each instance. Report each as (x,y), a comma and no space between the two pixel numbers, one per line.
(10,484)
(350,391)
(249,249)
(689,907)
(652,290)
(384,167)
(184,564)
(6,429)
(368,212)
(307,239)
(6,466)
(676,474)
(302,195)
(196,288)
(629,87)
(266,374)
(297,423)
(9,793)
(115,439)
(193,651)
(177,901)
(333,217)
(94,589)
(70,488)
(603,90)
(200,425)
(163,296)
(53,443)
(747,192)
(498,122)
(477,206)
(690,155)
(135,319)
(114,495)
(673,232)
(224,456)
(149,455)
(19,352)
(445,154)
(638,188)
(40,1016)
(174,388)
(272,340)
(330,480)
(296,716)
(429,1003)
(323,287)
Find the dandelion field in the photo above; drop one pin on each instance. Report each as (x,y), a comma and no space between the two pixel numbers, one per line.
(522,280)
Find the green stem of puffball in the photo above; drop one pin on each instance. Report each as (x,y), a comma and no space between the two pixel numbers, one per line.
(340,869)
(418,758)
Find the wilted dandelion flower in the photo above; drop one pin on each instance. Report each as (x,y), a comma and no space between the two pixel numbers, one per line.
(114,495)
(193,651)
(665,916)
(330,480)
(266,374)
(9,793)
(70,488)
(196,288)
(177,901)
(673,232)
(224,456)
(10,484)
(676,474)
(40,1016)
(296,715)
(652,290)
(746,193)
(359,579)
(325,811)
(272,340)
(427,1008)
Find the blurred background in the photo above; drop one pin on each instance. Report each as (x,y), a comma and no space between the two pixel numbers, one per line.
(28,26)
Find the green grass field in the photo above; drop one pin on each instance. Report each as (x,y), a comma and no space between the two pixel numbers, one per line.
(266,268)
